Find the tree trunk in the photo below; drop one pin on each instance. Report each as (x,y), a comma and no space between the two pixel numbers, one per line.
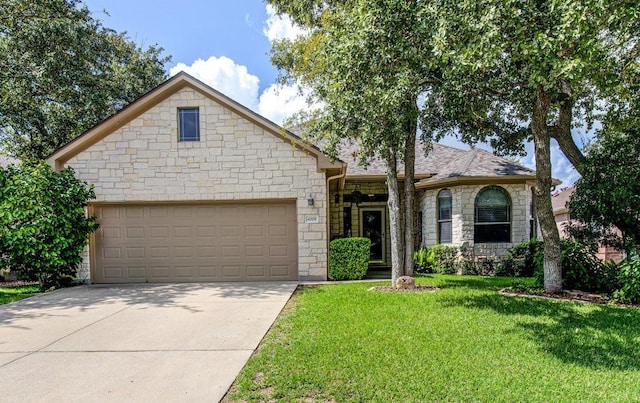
(397,257)
(544,209)
(563,132)
(409,198)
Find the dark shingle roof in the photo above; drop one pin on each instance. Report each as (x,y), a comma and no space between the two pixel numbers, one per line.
(441,161)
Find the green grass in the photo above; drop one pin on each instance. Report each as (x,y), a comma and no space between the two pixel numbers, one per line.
(464,342)
(17,293)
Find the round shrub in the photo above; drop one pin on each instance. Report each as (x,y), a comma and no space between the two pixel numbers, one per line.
(349,258)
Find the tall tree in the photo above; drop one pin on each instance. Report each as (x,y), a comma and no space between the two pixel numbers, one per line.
(605,203)
(368,78)
(519,70)
(62,72)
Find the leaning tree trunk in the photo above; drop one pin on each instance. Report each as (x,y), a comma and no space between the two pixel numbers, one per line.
(409,198)
(544,209)
(397,256)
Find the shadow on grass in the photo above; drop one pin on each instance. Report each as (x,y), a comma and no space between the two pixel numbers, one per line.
(599,337)
(456,281)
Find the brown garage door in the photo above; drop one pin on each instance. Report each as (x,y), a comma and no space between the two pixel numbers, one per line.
(195,243)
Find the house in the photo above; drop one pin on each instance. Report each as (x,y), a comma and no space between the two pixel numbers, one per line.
(192,186)
(5,161)
(464,197)
(562,216)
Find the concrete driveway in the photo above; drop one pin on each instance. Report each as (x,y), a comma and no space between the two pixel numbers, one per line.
(178,342)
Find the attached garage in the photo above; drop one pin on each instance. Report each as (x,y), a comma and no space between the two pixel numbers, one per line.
(191,186)
(167,243)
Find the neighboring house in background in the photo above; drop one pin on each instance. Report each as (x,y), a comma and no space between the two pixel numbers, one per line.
(192,186)
(562,215)
(6,161)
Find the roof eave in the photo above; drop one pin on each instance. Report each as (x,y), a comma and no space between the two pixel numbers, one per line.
(472,180)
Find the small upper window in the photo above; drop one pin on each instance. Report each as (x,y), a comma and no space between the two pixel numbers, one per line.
(444,216)
(189,124)
(492,216)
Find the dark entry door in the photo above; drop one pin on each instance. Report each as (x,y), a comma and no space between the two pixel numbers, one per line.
(372,220)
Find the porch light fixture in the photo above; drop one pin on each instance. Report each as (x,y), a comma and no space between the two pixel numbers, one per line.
(310,201)
(356,197)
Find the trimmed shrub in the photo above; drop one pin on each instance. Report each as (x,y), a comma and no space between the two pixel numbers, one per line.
(349,258)
(43,226)
(444,258)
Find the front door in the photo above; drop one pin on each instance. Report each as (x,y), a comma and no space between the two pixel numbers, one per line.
(372,227)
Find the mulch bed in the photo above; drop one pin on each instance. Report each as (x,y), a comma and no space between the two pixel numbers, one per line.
(416,288)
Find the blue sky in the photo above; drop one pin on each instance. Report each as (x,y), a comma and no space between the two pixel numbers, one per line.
(226,44)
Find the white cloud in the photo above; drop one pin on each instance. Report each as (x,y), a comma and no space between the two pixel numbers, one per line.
(280,27)
(278,103)
(223,74)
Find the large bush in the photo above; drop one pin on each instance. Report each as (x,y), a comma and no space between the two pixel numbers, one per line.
(349,258)
(519,260)
(43,226)
(628,279)
(581,269)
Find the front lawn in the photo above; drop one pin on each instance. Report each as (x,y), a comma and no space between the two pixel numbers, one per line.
(462,343)
(17,293)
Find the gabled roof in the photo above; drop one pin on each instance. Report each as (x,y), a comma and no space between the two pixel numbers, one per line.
(164,91)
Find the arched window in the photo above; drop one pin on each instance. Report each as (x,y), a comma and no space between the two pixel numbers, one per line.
(492,216)
(444,216)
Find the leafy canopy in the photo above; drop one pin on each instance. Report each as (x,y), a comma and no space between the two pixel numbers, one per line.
(62,72)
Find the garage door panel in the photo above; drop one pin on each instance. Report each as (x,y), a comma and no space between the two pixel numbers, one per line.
(178,243)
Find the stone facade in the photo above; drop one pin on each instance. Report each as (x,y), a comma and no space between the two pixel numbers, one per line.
(235,160)
(463,210)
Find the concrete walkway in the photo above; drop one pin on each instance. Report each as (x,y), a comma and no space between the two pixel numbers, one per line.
(149,343)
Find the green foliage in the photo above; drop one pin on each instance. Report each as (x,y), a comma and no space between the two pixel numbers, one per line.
(581,269)
(62,72)
(606,199)
(43,226)
(349,258)
(519,260)
(437,259)
(424,260)
(445,258)
(629,280)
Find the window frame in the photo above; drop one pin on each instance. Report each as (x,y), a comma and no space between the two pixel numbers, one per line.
(182,115)
(500,226)
(441,220)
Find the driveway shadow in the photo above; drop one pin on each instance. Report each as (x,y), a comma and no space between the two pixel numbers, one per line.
(62,303)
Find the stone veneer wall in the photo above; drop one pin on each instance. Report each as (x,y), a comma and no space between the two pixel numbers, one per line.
(463,198)
(234,160)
